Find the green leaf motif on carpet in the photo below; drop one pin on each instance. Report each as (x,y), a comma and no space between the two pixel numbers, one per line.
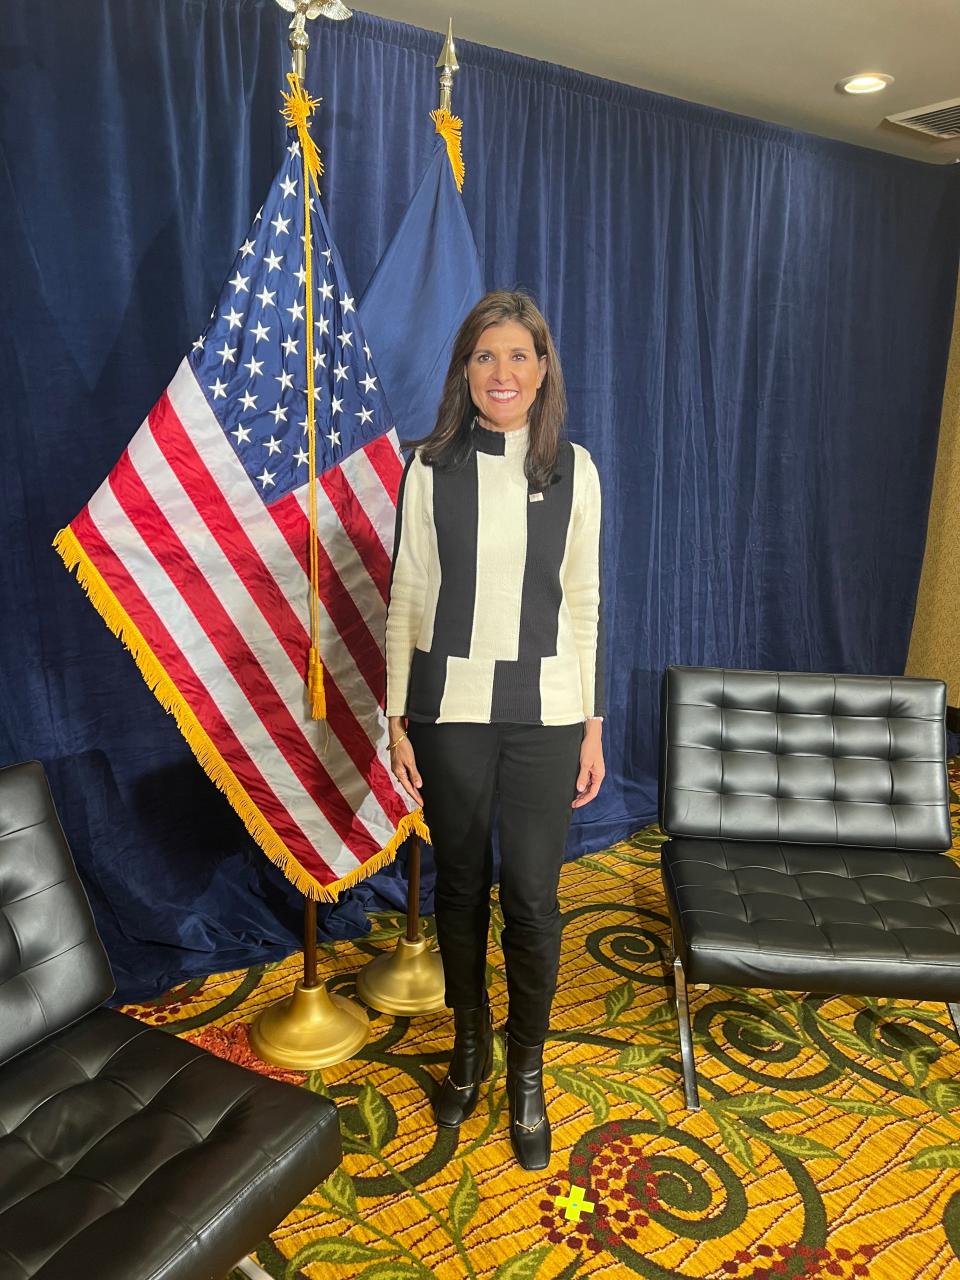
(387,933)
(465,1201)
(630,1093)
(943,1095)
(659,1014)
(499,1056)
(849,1039)
(599,868)
(394,1271)
(640,1056)
(755,1104)
(524,1267)
(496,922)
(860,1107)
(314,1082)
(761,1029)
(632,860)
(917,1062)
(795,1144)
(374,1114)
(581,1087)
(915,1013)
(945,1157)
(341,1252)
(340,1189)
(733,1138)
(617,1000)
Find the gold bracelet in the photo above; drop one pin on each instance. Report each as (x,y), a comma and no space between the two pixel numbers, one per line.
(392,745)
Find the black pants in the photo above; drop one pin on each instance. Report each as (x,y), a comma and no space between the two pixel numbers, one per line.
(532,769)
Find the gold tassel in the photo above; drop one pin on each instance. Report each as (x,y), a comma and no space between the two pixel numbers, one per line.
(300,107)
(318,698)
(448,127)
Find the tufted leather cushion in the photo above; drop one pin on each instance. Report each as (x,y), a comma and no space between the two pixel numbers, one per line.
(127,1153)
(52,964)
(805,918)
(817,759)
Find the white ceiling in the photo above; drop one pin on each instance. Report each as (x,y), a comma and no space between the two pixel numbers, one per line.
(771,59)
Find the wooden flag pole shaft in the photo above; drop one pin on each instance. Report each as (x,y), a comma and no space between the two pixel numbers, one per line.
(310,943)
(413,890)
(413,916)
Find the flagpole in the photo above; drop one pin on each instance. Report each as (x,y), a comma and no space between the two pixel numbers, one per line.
(409,980)
(303,10)
(449,66)
(310,943)
(309,1028)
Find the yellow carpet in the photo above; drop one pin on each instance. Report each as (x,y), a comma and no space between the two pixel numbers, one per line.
(828,1144)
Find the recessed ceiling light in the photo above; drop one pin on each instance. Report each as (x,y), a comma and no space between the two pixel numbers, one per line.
(864,82)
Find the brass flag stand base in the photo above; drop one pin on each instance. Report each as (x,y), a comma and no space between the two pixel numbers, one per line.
(408,980)
(309,1028)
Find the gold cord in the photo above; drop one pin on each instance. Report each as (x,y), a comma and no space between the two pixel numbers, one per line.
(297,112)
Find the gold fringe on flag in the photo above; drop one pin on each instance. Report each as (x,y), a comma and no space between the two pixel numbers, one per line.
(297,112)
(216,768)
(449,126)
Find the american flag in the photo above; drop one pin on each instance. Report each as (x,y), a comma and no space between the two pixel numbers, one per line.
(196,551)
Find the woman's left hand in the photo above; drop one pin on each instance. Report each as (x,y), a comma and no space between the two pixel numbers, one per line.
(591,764)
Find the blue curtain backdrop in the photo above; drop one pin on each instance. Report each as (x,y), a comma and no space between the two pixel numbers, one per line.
(753,325)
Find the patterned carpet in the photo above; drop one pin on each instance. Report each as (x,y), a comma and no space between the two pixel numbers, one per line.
(828,1144)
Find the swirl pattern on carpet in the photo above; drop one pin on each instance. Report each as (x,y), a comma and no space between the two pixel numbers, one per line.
(828,1144)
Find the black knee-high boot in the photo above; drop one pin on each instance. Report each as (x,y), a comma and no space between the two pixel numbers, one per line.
(470,1065)
(529,1124)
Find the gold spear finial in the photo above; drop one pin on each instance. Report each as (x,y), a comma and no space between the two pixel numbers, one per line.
(447,124)
(449,66)
(302,10)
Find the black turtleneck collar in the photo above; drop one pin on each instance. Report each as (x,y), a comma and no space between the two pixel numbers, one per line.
(499,442)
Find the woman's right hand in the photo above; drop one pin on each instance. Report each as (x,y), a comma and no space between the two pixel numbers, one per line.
(403,762)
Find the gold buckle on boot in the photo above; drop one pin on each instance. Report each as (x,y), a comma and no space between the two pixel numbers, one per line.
(459,1087)
(528,1128)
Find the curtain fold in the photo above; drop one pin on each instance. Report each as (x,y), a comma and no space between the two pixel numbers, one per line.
(935,639)
(753,324)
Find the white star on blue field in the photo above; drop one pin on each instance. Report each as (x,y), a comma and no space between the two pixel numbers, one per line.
(251,359)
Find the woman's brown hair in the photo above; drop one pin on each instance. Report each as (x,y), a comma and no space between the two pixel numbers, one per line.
(448,445)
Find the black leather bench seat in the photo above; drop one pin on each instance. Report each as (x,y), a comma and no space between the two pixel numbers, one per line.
(125,1152)
(809,819)
(808,918)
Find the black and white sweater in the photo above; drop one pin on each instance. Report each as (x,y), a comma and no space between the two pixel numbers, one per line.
(495,595)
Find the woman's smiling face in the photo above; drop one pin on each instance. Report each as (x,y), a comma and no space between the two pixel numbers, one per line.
(505,374)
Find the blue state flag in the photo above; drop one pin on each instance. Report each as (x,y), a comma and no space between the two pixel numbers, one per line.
(425,284)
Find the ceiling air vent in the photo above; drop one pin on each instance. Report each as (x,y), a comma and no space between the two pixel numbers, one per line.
(941,120)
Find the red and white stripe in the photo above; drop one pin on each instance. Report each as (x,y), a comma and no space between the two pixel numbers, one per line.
(218,585)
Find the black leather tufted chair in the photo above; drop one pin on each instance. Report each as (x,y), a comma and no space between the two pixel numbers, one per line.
(125,1153)
(808,815)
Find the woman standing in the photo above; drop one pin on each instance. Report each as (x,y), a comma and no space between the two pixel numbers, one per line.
(494,682)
